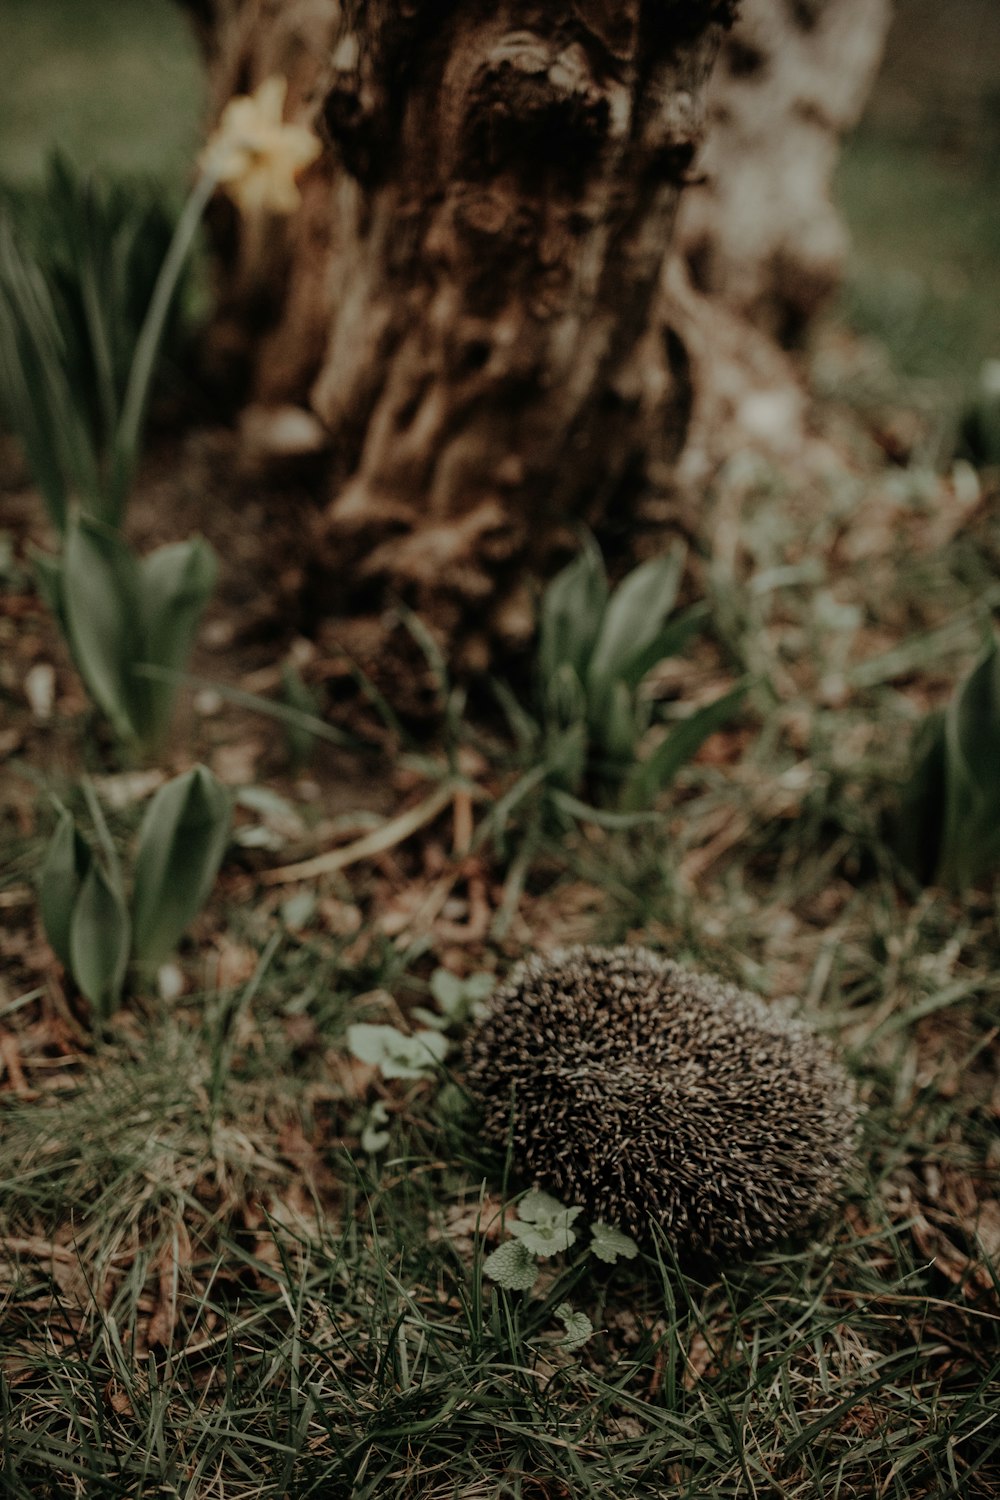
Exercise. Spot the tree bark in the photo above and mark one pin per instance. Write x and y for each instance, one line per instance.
(477, 300)
(759, 246)
(760, 233)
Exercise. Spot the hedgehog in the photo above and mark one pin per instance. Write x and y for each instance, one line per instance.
(654, 1095)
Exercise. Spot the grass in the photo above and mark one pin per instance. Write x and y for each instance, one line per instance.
(917, 184)
(354, 1350)
(115, 84)
(926, 265)
(212, 1289)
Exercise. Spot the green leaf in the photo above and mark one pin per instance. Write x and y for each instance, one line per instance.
(667, 642)
(395, 1054)
(99, 942)
(578, 1327)
(525, 729)
(297, 911)
(299, 697)
(537, 1207)
(37, 394)
(651, 776)
(565, 757)
(447, 990)
(146, 350)
(429, 1018)
(102, 603)
(512, 1266)
(572, 609)
(971, 835)
(48, 571)
(583, 812)
(479, 986)
(543, 1240)
(916, 825)
(176, 584)
(635, 613)
(617, 723)
(182, 840)
(543, 1224)
(374, 1138)
(565, 702)
(64, 869)
(457, 998)
(502, 810)
(610, 1244)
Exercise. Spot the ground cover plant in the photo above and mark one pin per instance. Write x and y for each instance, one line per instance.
(252, 1243)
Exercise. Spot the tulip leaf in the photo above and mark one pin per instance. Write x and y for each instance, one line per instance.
(651, 776)
(916, 826)
(36, 387)
(572, 608)
(971, 835)
(176, 582)
(64, 869)
(633, 618)
(182, 841)
(48, 580)
(99, 941)
(101, 599)
(667, 642)
(618, 722)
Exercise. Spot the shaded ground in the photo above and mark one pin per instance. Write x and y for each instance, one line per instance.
(210, 1285)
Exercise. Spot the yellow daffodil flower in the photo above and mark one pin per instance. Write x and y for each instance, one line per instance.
(254, 156)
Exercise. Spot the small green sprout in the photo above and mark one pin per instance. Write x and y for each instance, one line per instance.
(947, 826)
(94, 926)
(374, 1137)
(611, 1245)
(395, 1054)
(578, 1327)
(512, 1266)
(543, 1224)
(458, 1000)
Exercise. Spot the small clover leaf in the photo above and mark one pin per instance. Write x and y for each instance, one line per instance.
(393, 1053)
(543, 1224)
(430, 1018)
(610, 1244)
(456, 998)
(545, 1239)
(578, 1327)
(537, 1207)
(447, 991)
(480, 986)
(512, 1267)
(373, 1138)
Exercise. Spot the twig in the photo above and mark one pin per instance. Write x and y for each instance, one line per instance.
(382, 839)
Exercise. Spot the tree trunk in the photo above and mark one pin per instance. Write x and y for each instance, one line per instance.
(759, 245)
(476, 299)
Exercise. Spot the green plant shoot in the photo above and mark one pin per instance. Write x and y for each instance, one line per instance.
(119, 612)
(595, 649)
(182, 842)
(93, 929)
(948, 826)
